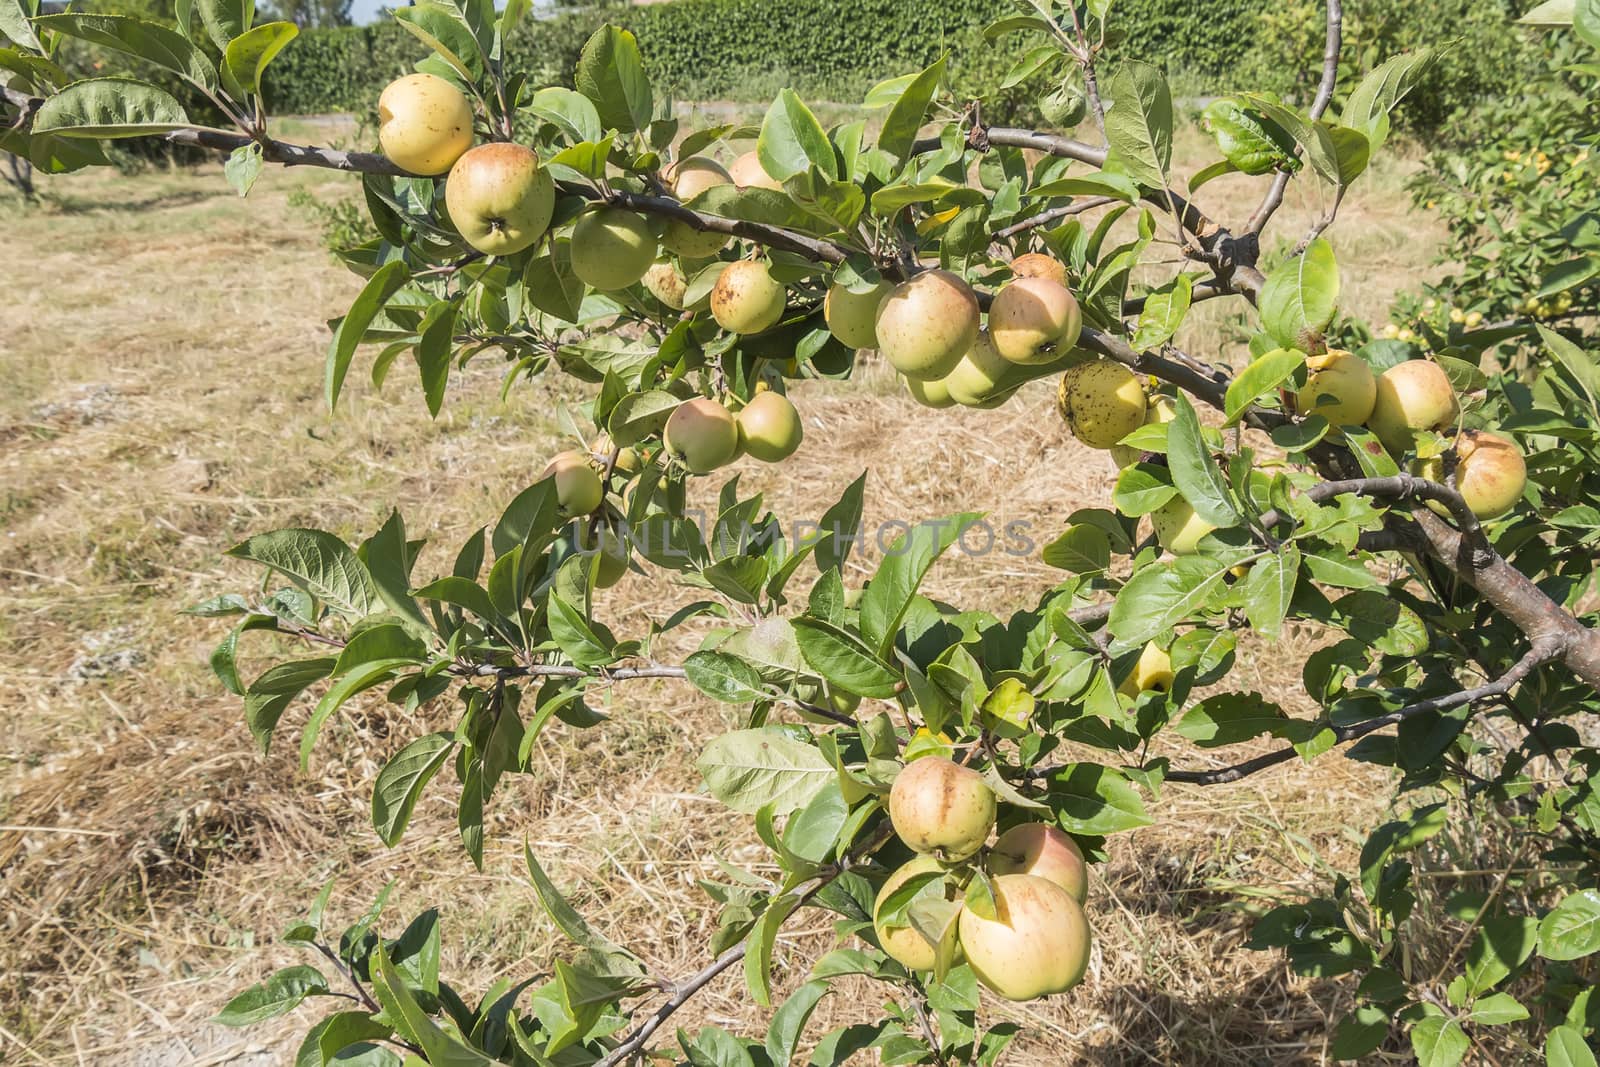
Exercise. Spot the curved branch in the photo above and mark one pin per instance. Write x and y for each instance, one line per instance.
(1044, 218)
(1396, 487)
(683, 991)
(1541, 653)
(1330, 78)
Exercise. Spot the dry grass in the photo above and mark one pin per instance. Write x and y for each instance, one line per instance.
(164, 369)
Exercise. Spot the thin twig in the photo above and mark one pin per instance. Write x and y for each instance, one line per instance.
(1539, 654)
(1330, 78)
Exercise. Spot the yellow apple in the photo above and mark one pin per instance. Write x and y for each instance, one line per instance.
(1411, 396)
(578, 488)
(611, 248)
(1158, 411)
(1037, 944)
(904, 944)
(1341, 388)
(1034, 320)
(930, 394)
(1039, 265)
(927, 324)
(747, 298)
(702, 435)
(981, 376)
(1178, 528)
(664, 282)
(1152, 673)
(748, 173)
(689, 178)
(1040, 849)
(424, 123)
(941, 807)
(852, 317)
(1101, 402)
(769, 427)
(1490, 473)
(500, 198)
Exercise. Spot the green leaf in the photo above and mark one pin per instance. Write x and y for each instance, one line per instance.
(1250, 142)
(1082, 548)
(1314, 138)
(789, 1022)
(1367, 108)
(611, 74)
(1162, 595)
(723, 677)
(1565, 1046)
(149, 41)
(364, 677)
(1139, 124)
(441, 28)
(843, 660)
(384, 283)
(574, 113)
(435, 341)
(609, 958)
(401, 1007)
(910, 110)
(1164, 309)
(1568, 275)
(751, 769)
(1497, 1009)
(758, 954)
(1439, 1041)
(110, 107)
(276, 996)
(1262, 376)
(1572, 929)
(1231, 719)
(792, 141)
(1105, 183)
(905, 564)
(225, 19)
(243, 167)
(248, 55)
(1299, 298)
(839, 525)
(1091, 799)
(337, 1032)
(317, 562)
(1550, 13)
(14, 24)
(271, 693)
(1577, 363)
(1195, 472)
(400, 783)
(1358, 1033)
(1268, 589)
(571, 630)
(386, 556)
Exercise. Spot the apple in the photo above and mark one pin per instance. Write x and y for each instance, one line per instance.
(932, 394)
(1037, 944)
(702, 435)
(611, 248)
(664, 282)
(424, 123)
(835, 700)
(578, 488)
(1490, 473)
(927, 324)
(689, 178)
(1178, 528)
(747, 298)
(613, 555)
(1040, 849)
(1102, 402)
(1158, 411)
(1411, 396)
(1039, 265)
(852, 317)
(904, 944)
(1152, 673)
(1034, 320)
(627, 463)
(981, 375)
(769, 427)
(500, 198)
(748, 173)
(1341, 388)
(941, 807)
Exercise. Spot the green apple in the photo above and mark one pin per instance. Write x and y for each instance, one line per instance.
(927, 324)
(941, 807)
(769, 427)
(611, 248)
(747, 298)
(500, 198)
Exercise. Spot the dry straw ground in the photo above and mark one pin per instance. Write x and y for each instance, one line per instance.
(161, 346)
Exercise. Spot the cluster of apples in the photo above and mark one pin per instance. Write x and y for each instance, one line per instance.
(581, 491)
(930, 329)
(704, 435)
(1037, 943)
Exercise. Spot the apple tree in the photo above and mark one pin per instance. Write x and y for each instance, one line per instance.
(936, 779)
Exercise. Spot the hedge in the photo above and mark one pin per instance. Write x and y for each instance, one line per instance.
(742, 49)
(834, 49)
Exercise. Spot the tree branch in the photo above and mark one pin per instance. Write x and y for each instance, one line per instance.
(1397, 487)
(1044, 218)
(1541, 653)
(1330, 77)
(683, 991)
